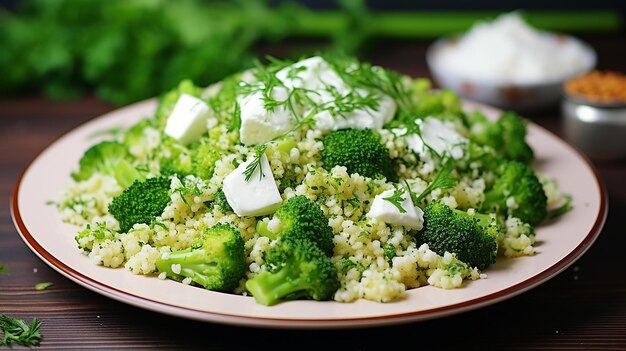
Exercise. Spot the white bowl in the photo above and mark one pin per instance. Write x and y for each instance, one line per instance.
(503, 94)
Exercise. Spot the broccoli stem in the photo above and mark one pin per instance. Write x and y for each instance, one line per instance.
(194, 264)
(285, 145)
(263, 230)
(125, 174)
(269, 288)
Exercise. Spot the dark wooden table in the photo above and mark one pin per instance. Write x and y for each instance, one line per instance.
(582, 308)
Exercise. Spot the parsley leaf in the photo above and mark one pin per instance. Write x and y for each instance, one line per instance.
(396, 199)
(3, 269)
(17, 332)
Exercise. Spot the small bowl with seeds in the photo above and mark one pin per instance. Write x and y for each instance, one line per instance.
(594, 114)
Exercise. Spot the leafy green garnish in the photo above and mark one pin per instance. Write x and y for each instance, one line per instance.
(3, 269)
(363, 75)
(17, 332)
(43, 286)
(256, 163)
(389, 251)
(443, 180)
(396, 199)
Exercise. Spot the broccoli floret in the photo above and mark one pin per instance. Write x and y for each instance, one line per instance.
(136, 135)
(294, 268)
(518, 191)
(220, 200)
(169, 99)
(301, 218)
(485, 156)
(360, 151)
(204, 155)
(177, 159)
(473, 238)
(513, 135)
(442, 104)
(507, 135)
(216, 261)
(483, 131)
(101, 158)
(141, 202)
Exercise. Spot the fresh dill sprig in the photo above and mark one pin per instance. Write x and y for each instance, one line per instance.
(256, 163)
(235, 121)
(443, 180)
(267, 82)
(396, 199)
(363, 75)
(343, 103)
(17, 332)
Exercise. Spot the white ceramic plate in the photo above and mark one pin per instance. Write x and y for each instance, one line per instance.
(559, 244)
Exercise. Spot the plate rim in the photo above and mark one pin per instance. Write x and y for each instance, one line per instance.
(303, 323)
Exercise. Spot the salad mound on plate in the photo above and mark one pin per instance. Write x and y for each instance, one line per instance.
(325, 178)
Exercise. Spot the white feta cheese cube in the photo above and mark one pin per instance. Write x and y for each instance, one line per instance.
(259, 125)
(439, 136)
(359, 118)
(313, 73)
(257, 196)
(188, 120)
(385, 211)
(318, 75)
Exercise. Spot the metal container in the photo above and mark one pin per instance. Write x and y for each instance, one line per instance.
(599, 130)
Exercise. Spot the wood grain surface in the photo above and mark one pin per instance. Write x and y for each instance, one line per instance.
(583, 308)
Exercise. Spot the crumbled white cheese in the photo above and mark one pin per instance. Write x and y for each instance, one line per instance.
(317, 75)
(313, 73)
(188, 120)
(385, 211)
(359, 118)
(259, 124)
(439, 136)
(257, 196)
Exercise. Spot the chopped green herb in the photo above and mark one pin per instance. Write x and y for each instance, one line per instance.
(396, 199)
(17, 332)
(354, 202)
(441, 181)
(43, 286)
(390, 252)
(3, 269)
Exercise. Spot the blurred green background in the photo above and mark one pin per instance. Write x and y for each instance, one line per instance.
(127, 50)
